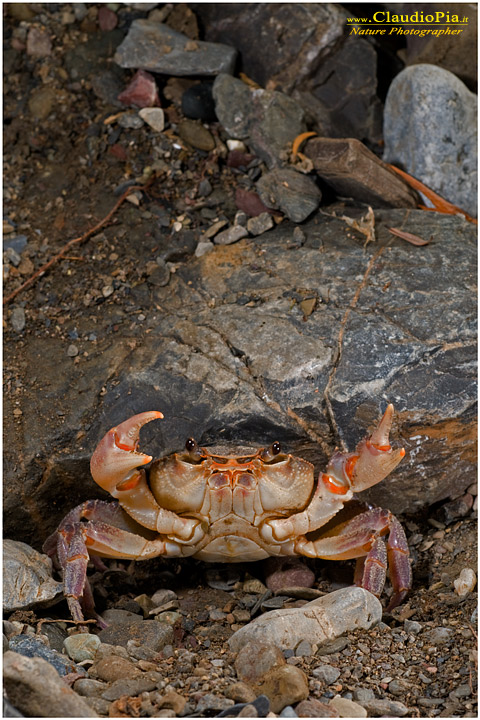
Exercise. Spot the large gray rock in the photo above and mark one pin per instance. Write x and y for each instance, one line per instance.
(27, 577)
(430, 130)
(156, 47)
(268, 120)
(229, 357)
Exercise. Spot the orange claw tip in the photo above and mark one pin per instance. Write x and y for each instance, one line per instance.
(402, 452)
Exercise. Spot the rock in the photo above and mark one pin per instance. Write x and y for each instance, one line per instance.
(154, 117)
(33, 647)
(354, 171)
(320, 620)
(347, 708)
(255, 659)
(39, 43)
(151, 633)
(430, 130)
(283, 685)
(258, 707)
(267, 120)
(287, 572)
(82, 646)
(326, 673)
(295, 38)
(88, 687)
(314, 708)
(231, 235)
(42, 101)
(156, 47)
(210, 702)
(412, 626)
(260, 224)
(196, 135)
(240, 692)
(37, 690)
(132, 686)
(198, 103)
(417, 350)
(460, 507)
(384, 708)
(465, 582)
(203, 247)
(17, 319)
(141, 91)
(250, 203)
(287, 190)
(107, 19)
(113, 668)
(340, 98)
(27, 577)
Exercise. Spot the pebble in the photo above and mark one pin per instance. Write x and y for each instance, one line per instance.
(36, 689)
(130, 120)
(170, 617)
(113, 668)
(42, 101)
(288, 712)
(151, 633)
(287, 572)
(12, 256)
(303, 649)
(260, 224)
(249, 201)
(293, 193)
(72, 351)
(196, 135)
(412, 626)
(284, 685)
(465, 582)
(115, 616)
(17, 319)
(33, 647)
(255, 659)
(156, 47)
(363, 694)
(315, 709)
(133, 686)
(384, 708)
(211, 702)
(240, 692)
(347, 708)
(39, 43)
(89, 687)
(203, 247)
(154, 117)
(198, 104)
(107, 19)
(162, 596)
(438, 635)
(82, 646)
(16, 243)
(435, 139)
(231, 235)
(320, 620)
(326, 673)
(141, 91)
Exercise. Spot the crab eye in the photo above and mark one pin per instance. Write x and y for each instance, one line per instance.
(190, 445)
(275, 449)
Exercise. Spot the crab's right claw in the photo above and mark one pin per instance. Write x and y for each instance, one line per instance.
(116, 454)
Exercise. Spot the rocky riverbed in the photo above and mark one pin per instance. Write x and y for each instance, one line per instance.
(252, 295)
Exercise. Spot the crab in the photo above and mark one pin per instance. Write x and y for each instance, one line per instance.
(232, 509)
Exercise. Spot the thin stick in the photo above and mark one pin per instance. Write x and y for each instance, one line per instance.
(42, 270)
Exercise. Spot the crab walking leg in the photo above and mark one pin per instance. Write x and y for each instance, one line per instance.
(114, 466)
(362, 537)
(346, 473)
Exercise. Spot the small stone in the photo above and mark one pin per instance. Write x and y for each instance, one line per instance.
(231, 235)
(171, 617)
(260, 224)
(133, 686)
(162, 596)
(173, 700)
(284, 685)
(362, 694)
(240, 692)
(347, 708)
(154, 117)
(314, 708)
(252, 585)
(249, 201)
(38, 42)
(151, 633)
(204, 188)
(12, 256)
(396, 687)
(287, 190)
(288, 712)
(72, 351)
(113, 668)
(303, 649)
(17, 319)
(255, 659)
(240, 218)
(465, 582)
(326, 673)
(438, 635)
(130, 120)
(89, 687)
(412, 626)
(82, 646)
(384, 708)
(160, 275)
(196, 135)
(27, 577)
(107, 19)
(141, 91)
(203, 247)
(107, 290)
(214, 229)
(41, 102)
(198, 104)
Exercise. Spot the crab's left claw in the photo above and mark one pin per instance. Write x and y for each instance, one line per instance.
(116, 455)
(373, 460)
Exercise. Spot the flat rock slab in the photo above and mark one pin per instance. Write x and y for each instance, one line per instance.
(156, 47)
(354, 171)
(229, 357)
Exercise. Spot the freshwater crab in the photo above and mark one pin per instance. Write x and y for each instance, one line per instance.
(231, 509)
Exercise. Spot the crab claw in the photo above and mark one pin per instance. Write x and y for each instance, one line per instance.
(116, 454)
(373, 460)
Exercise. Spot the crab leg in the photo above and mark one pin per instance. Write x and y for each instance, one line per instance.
(362, 537)
(114, 466)
(346, 473)
(106, 533)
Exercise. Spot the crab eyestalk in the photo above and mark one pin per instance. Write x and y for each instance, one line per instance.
(373, 460)
(116, 454)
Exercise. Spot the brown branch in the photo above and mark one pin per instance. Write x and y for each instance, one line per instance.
(75, 241)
